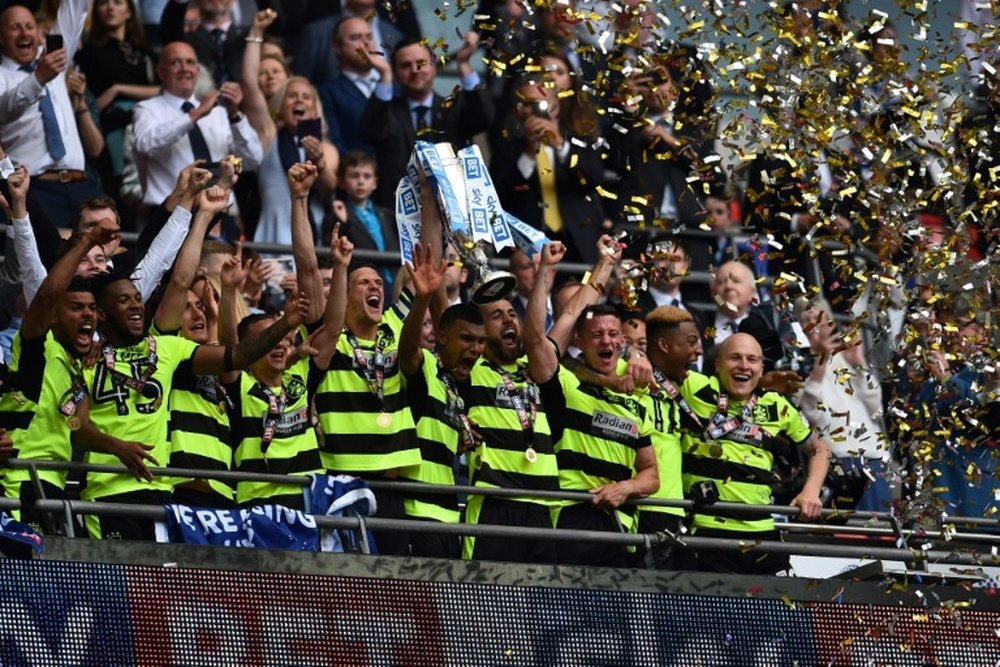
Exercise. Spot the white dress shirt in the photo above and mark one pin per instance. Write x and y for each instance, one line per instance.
(162, 147)
(726, 326)
(364, 82)
(661, 298)
(20, 116)
(147, 274)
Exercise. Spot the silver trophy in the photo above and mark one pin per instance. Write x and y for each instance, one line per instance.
(489, 284)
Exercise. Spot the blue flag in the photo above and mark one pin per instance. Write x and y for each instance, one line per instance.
(17, 539)
(264, 526)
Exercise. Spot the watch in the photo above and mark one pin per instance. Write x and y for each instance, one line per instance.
(236, 117)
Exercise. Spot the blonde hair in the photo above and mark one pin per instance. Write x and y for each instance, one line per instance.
(668, 315)
(274, 104)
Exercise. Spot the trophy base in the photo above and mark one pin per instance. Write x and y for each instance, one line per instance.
(494, 286)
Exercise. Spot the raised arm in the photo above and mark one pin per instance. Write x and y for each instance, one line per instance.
(231, 277)
(254, 102)
(162, 251)
(39, 316)
(432, 236)
(325, 342)
(543, 362)
(31, 271)
(219, 360)
(171, 311)
(427, 277)
(609, 253)
(301, 177)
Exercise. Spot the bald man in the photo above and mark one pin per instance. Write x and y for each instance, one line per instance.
(741, 430)
(175, 128)
(734, 291)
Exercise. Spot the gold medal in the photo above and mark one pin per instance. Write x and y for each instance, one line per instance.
(384, 420)
(531, 455)
(73, 422)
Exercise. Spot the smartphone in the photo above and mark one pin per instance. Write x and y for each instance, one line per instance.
(309, 127)
(215, 168)
(53, 42)
(540, 109)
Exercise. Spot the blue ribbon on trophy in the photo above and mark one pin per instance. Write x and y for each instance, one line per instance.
(471, 211)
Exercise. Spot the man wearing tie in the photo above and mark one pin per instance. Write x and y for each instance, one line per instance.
(37, 121)
(734, 291)
(174, 129)
(393, 124)
(547, 179)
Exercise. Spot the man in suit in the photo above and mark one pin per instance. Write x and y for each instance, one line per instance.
(217, 42)
(546, 179)
(315, 58)
(651, 161)
(345, 96)
(393, 123)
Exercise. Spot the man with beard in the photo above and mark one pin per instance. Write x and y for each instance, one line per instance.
(602, 437)
(506, 406)
(739, 432)
(443, 426)
(133, 376)
(367, 429)
(46, 398)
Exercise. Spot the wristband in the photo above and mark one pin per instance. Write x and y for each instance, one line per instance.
(227, 359)
(255, 40)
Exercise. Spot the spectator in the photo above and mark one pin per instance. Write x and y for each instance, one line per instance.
(315, 59)
(344, 97)
(369, 227)
(651, 161)
(392, 123)
(217, 42)
(296, 134)
(37, 119)
(174, 128)
(525, 270)
(842, 399)
(734, 291)
(548, 178)
(119, 67)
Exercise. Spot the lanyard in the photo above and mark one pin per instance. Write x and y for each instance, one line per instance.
(275, 408)
(455, 408)
(721, 425)
(374, 373)
(525, 415)
(138, 384)
(671, 390)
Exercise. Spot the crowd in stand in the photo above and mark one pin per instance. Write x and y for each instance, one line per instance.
(841, 354)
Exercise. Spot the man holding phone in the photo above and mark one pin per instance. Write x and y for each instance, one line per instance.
(37, 121)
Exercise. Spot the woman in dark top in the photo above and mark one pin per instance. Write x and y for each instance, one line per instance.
(120, 69)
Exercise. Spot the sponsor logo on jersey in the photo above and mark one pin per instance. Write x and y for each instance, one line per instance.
(613, 427)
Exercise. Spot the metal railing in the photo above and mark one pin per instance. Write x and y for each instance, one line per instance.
(977, 549)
